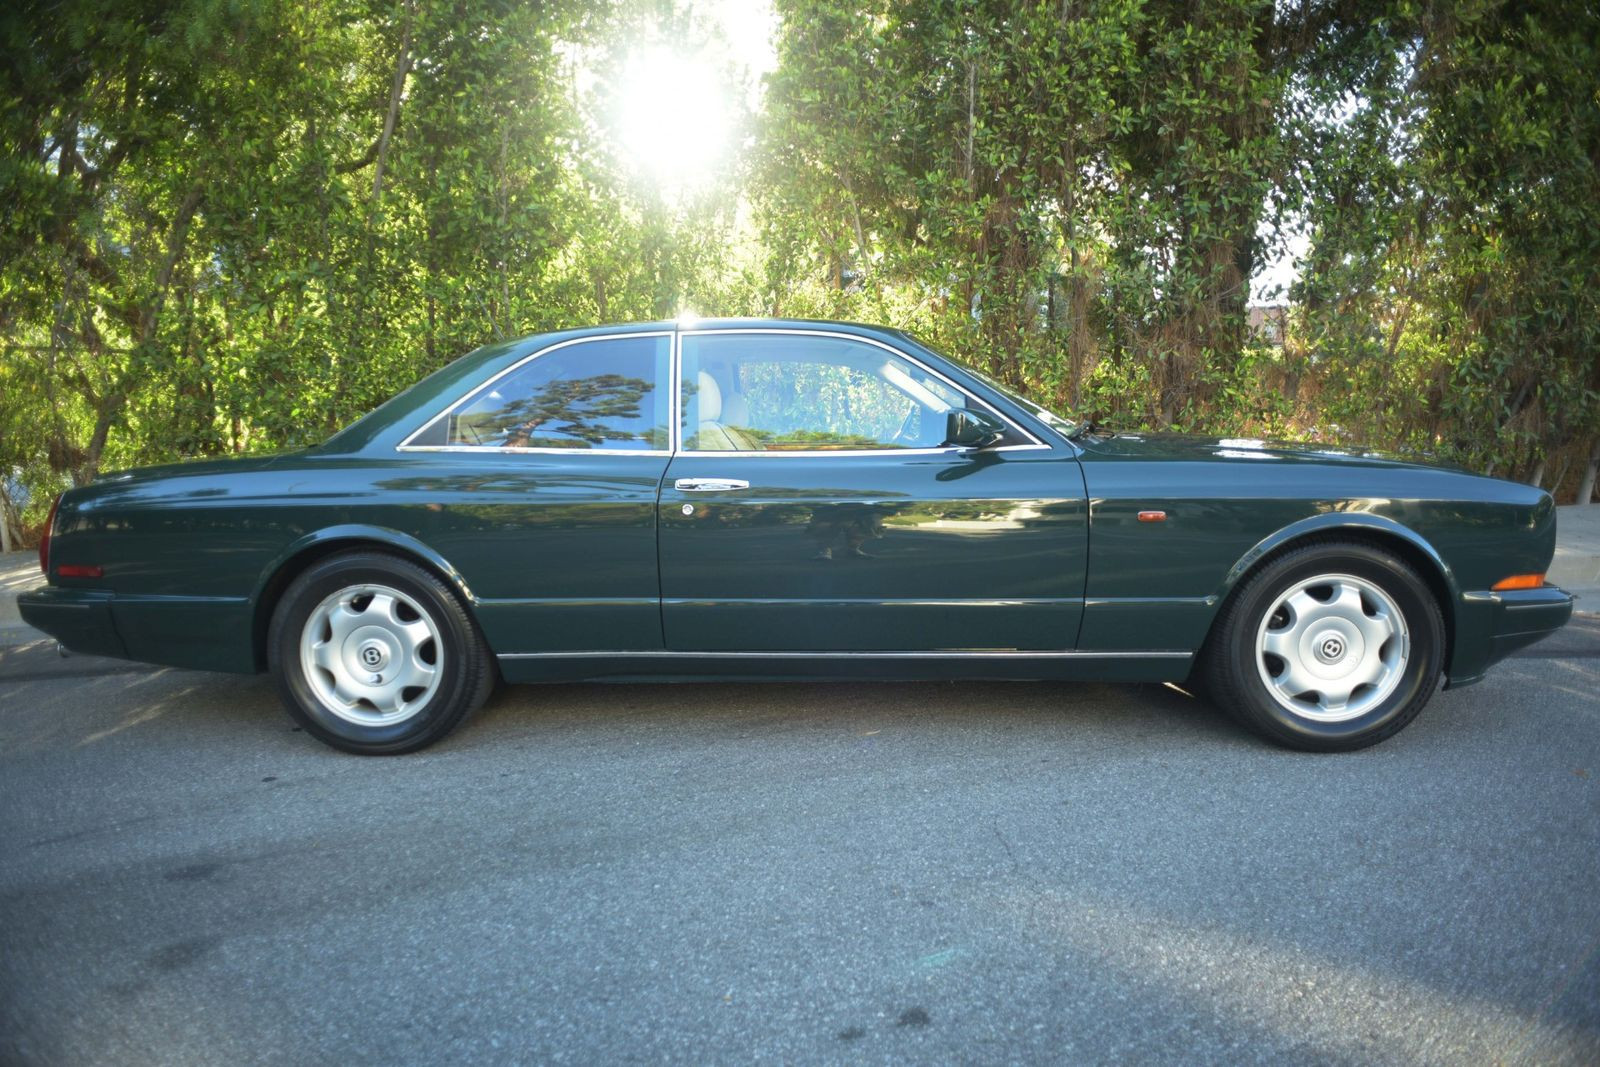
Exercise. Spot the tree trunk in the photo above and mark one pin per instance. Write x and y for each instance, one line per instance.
(110, 405)
(97, 441)
(505, 226)
(1586, 483)
(6, 543)
(1080, 339)
(1536, 479)
(972, 121)
(402, 66)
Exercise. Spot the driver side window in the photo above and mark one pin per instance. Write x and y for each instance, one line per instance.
(792, 393)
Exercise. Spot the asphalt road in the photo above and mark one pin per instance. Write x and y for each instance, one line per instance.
(796, 873)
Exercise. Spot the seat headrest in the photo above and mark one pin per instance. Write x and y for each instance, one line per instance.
(710, 397)
(735, 411)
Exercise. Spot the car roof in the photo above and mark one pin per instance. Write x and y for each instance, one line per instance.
(694, 323)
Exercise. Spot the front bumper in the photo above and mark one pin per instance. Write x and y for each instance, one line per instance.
(79, 618)
(1490, 626)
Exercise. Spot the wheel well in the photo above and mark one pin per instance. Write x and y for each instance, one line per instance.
(307, 557)
(1418, 560)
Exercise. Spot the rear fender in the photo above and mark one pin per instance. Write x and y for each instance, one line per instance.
(359, 533)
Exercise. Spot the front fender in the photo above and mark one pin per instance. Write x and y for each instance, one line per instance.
(1344, 522)
(1442, 578)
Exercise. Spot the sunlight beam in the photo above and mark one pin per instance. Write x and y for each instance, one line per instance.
(674, 118)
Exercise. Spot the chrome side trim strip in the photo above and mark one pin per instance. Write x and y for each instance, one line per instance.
(1177, 601)
(891, 452)
(516, 450)
(874, 602)
(998, 654)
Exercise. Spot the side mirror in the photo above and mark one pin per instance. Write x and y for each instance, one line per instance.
(967, 428)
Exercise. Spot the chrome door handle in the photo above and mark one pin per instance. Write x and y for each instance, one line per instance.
(709, 485)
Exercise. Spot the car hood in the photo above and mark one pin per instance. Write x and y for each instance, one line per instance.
(1176, 446)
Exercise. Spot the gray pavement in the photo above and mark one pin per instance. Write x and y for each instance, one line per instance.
(18, 571)
(796, 873)
(1576, 567)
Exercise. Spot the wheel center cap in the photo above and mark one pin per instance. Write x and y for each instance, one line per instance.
(1331, 648)
(373, 656)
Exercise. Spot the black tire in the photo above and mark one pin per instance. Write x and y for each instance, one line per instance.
(1243, 680)
(463, 670)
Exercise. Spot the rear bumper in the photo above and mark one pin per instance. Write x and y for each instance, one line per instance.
(1490, 626)
(203, 633)
(79, 618)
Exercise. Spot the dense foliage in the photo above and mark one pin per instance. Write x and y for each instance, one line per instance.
(233, 225)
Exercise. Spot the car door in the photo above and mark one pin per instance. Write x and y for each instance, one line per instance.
(813, 505)
(541, 489)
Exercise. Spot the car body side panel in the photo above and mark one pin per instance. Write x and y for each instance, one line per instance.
(179, 547)
(554, 553)
(557, 553)
(1226, 510)
(950, 550)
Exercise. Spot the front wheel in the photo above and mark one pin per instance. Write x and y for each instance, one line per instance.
(1330, 647)
(374, 655)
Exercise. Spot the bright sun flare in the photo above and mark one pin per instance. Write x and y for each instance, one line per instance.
(674, 117)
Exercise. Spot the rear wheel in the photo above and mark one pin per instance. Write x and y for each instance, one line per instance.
(375, 655)
(1330, 647)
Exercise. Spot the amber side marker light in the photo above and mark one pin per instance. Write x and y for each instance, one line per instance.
(1519, 581)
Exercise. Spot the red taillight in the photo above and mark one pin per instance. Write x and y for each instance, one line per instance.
(80, 570)
(44, 539)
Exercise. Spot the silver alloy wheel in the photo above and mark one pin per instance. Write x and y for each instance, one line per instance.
(371, 655)
(1332, 648)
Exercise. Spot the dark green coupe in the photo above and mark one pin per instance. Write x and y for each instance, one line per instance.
(793, 499)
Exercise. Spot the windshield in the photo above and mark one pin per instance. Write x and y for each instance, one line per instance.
(1067, 428)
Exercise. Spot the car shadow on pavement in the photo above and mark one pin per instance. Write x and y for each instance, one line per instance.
(749, 709)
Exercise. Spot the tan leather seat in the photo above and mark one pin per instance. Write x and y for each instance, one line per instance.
(710, 433)
(735, 411)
